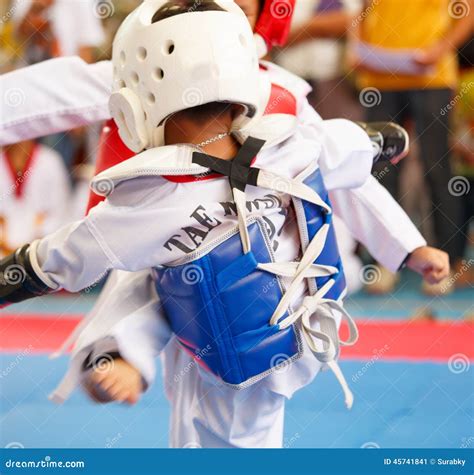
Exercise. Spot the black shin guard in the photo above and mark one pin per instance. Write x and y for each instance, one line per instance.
(390, 141)
(18, 280)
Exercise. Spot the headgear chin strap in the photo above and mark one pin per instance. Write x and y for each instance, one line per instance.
(166, 65)
(273, 25)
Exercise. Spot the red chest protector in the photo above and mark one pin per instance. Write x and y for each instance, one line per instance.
(113, 151)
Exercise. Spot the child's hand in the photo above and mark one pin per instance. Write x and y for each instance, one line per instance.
(118, 381)
(431, 263)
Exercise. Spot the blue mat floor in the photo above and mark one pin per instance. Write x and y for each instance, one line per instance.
(396, 405)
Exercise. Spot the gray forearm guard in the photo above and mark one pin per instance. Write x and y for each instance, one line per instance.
(18, 280)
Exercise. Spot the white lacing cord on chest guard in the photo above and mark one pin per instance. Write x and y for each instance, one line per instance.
(315, 309)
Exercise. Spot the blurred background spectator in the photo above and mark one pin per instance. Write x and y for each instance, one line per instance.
(34, 194)
(409, 56)
(38, 175)
(402, 56)
(316, 52)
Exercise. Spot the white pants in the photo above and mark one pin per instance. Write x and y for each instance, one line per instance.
(206, 413)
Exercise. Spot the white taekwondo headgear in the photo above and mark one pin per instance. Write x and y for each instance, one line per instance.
(189, 59)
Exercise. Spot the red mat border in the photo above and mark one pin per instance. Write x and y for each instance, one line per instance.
(378, 339)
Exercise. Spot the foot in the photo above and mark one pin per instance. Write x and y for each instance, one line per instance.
(389, 140)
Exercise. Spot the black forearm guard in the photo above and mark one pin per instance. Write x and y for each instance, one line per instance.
(18, 280)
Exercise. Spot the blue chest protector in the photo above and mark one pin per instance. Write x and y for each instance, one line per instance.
(224, 306)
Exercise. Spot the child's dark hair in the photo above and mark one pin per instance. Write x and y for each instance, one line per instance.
(207, 111)
(179, 7)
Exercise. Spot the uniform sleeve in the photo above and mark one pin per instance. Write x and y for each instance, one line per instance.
(128, 318)
(371, 214)
(53, 96)
(128, 238)
(346, 156)
(376, 220)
